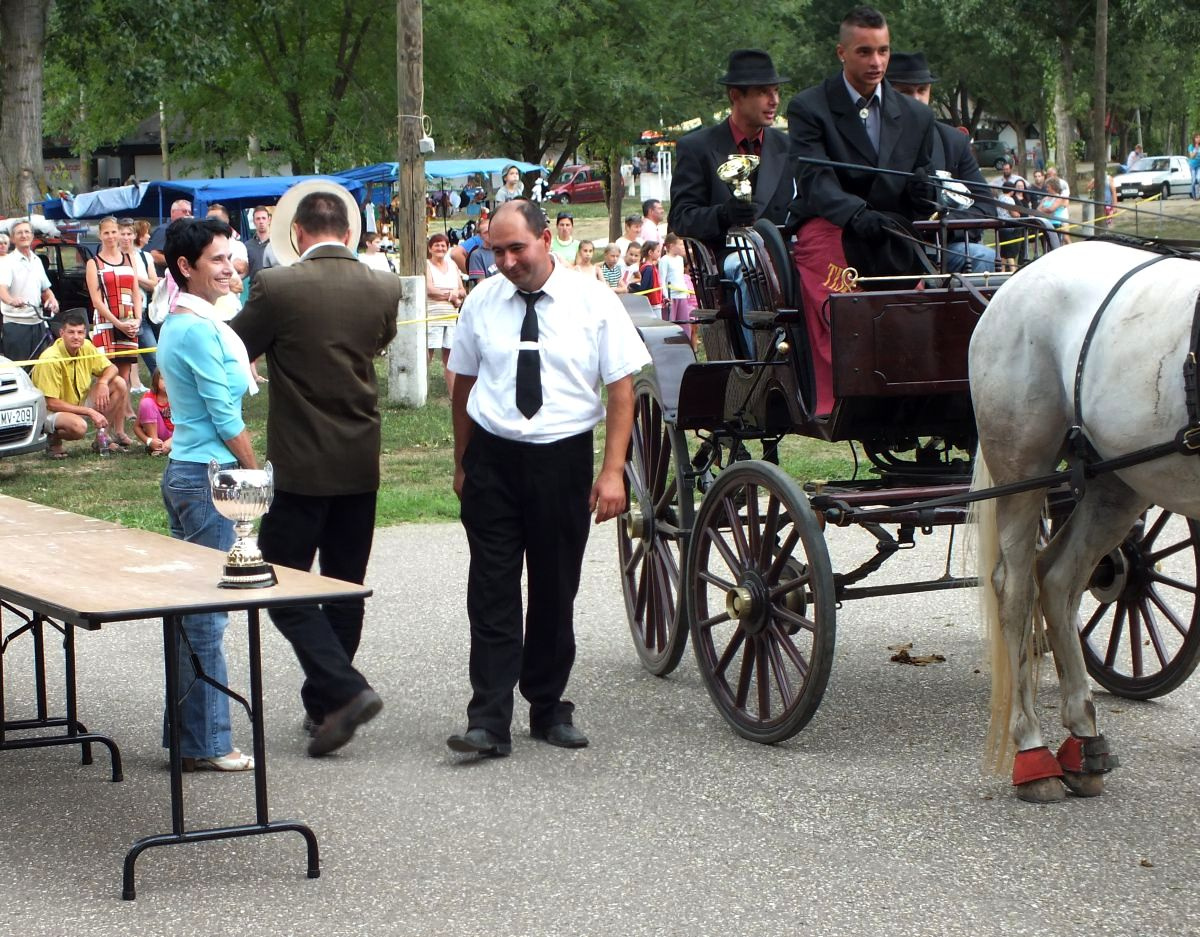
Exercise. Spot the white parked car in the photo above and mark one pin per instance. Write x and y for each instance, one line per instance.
(22, 412)
(1155, 175)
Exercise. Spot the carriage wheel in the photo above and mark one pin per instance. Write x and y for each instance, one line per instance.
(1138, 618)
(653, 534)
(761, 606)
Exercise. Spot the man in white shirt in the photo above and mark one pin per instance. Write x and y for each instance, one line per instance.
(24, 294)
(531, 350)
(653, 214)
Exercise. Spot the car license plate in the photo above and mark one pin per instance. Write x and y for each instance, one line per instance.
(1130, 190)
(20, 416)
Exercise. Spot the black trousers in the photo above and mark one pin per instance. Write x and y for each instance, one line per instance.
(523, 502)
(338, 529)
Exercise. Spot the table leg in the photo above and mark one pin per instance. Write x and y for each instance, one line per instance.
(262, 825)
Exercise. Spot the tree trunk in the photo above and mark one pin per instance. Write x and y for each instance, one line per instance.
(616, 195)
(23, 37)
(1064, 125)
(163, 144)
(1099, 109)
(254, 155)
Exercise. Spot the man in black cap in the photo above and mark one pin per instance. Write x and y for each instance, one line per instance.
(908, 73)
(856, 118)
(702, 205)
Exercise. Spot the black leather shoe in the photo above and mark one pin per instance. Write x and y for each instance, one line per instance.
(339, 726)
(564, 735)
(310, 726)
(479, 742)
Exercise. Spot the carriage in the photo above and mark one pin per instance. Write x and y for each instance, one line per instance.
(730, 551)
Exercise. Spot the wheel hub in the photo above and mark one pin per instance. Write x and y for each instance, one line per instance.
(638, 526)
(747, 603)
(1110, 577)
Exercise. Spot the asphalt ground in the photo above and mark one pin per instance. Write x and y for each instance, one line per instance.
(875, 820)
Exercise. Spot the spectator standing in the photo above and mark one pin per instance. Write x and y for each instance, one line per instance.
(652, 216)
(259, 254)
(1134, 155)
(633, 226)
(180, 208)
(147, 279)
(631, 272)
(4, 242)
(563, 244)
(584, 259)
(323, 439)
(1064, 186)
(611, 270)
(481, 260)
(444, 293)
(116, 305)
(681, 300)
(207, 369)
(649, 281)
(24, 295)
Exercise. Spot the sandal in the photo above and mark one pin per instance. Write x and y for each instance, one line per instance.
(56, 454)
(124, 442)
(234, 761)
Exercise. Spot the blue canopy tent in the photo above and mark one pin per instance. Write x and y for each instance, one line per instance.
(153, 199)
(380, 177)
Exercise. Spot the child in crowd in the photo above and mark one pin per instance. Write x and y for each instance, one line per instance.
(650, 284)
(154, 427)
(632, 272)
(611, 271)
(584, 259)
(680, 298)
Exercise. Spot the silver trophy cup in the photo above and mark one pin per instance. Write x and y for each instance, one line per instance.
(736, 171)
(243, 495)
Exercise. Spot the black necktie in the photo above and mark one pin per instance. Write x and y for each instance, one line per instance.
(750, 147)
(529, 362)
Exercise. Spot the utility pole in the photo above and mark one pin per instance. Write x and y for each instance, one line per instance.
(408, 382)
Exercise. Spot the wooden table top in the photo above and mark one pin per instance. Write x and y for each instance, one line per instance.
(86, 572)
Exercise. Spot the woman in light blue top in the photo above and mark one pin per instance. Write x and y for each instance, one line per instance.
(207, 373)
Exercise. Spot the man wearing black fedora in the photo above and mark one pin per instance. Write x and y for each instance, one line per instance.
(702, 205)
(908, 73)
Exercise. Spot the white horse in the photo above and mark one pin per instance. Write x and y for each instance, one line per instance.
(1023, 360)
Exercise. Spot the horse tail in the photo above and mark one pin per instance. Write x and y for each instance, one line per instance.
(982, 519)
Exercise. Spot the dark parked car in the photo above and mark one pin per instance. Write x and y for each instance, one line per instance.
(66, 262)
(992, 153)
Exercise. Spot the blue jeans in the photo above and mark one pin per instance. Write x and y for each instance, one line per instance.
(733, 271)
(147, 339)
(979, 258)
(1196, 180)
(204, 727)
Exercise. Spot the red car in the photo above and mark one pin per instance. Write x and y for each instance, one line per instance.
(579, 183)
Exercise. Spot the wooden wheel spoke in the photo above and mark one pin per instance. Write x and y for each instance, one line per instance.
(770, 531)
(1159, 555)
(787, 694)
(1114, 638)
(781, 589)
(1156, 576)
(1167, 611)
(641, 592)
(744, 677)
(662, 465)
(1151, 533)
(1135, 639)
(736, 531)
(788, 617)
(718, 619)
(635, 557)
(713, 579)
(723, 548)
(1097, 616)
(785, 552)
(763, 671)
(751, 532)
(1154, 632)
(665, 499)
(788, 646)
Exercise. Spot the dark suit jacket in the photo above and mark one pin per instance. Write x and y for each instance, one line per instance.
(321, 322)
(952, 152)
(697, 192)
(823, 123)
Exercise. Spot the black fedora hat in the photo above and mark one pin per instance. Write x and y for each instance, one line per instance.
(909, 68)
(748, 68)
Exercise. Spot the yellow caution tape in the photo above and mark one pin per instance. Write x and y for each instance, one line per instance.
(109, 356)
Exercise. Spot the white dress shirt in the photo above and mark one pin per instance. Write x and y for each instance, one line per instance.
(585, 338)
